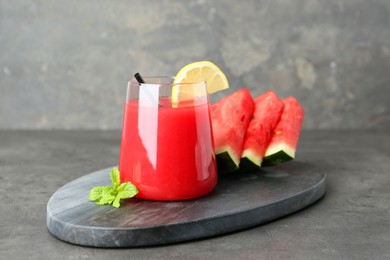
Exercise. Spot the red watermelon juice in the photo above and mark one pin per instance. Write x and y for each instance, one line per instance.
(167, 152)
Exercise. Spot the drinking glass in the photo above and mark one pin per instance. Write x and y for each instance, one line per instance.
(167, 142)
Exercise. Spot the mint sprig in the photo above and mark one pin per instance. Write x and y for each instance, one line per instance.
(103, 195)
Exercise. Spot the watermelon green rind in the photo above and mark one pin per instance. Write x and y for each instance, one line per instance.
(284, 141)
(250, 160)
(225, 163)
(268, 109)
(247, 165)
(278, 154)
(230, 119)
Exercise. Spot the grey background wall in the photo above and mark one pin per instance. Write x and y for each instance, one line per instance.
(65, 64)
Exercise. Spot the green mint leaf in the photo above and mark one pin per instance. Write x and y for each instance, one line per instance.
(106, 200)
(108, 195)
(95, 193)
(99, 192)
(115, 177)
(117, 203)
(103, 195)
(108, 190)
(127, 190)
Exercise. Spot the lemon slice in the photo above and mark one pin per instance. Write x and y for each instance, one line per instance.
(197, 72)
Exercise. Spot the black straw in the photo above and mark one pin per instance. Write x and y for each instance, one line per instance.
(139, 78)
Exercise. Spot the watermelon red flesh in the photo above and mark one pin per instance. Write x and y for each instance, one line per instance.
(230, 119)
(286, 134)
(268, 109)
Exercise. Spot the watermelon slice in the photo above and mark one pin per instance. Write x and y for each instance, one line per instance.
(230, 118)
(268, 108)
(286, 134)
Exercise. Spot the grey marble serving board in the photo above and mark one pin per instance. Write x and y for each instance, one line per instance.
(240, 201)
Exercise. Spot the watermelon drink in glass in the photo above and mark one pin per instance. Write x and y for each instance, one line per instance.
(167, 146)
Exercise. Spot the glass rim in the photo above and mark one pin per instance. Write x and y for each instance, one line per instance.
(133, 80)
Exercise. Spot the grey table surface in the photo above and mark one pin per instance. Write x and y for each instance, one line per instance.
(351, 222)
